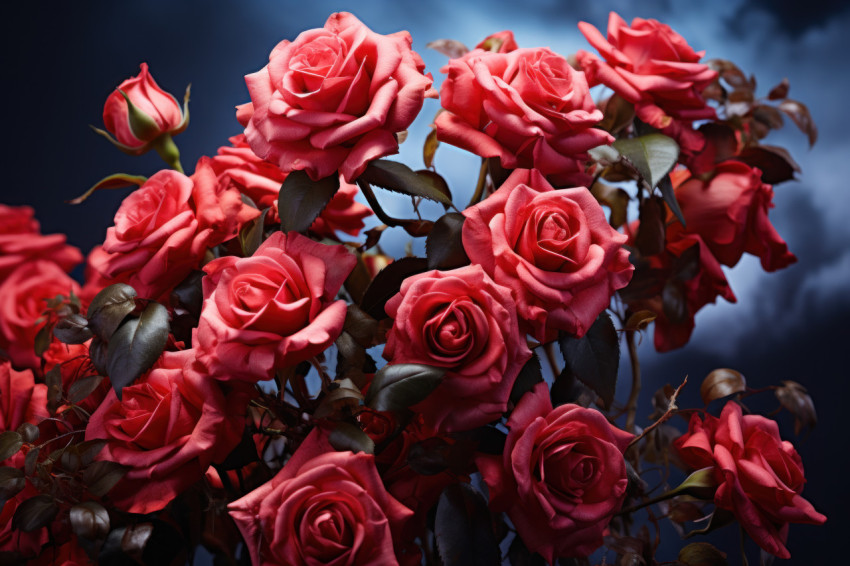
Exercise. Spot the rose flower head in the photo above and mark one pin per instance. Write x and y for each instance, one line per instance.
(21, 241)
(334, 98)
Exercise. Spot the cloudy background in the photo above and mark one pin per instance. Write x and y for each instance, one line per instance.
(63, 59)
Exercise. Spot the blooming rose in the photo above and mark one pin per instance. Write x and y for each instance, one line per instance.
(322, 508)
(168, 427)
(261, 182)
(654, 68)
(561, 477)
(553, 248)
(334, 98)
(21, 241)
(462, 321)
(529, 108)
(729, 211)
(759, 475)
(23, 299)
(273, 309)
(21, 399)
(500, 42)
(161, 109)
(163, 229)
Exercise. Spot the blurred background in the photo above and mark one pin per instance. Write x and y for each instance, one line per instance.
(63, 59)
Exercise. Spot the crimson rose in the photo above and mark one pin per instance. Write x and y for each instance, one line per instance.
(21, 241)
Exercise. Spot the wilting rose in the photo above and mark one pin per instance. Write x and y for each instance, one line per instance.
(529, 108)
(729, 211)
(162, 110)
(561, 477)
(333, 99)
(500, 42)
(273, 309)
(322, 508)
(168, 427)
(163, 229)
(654, 68)
(759, 475)
(23, 299)
(462, 321)
(21, 241)
(553, 248)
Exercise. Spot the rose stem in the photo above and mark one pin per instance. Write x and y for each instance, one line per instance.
(376, 206)
(633, 396)
(479, 187)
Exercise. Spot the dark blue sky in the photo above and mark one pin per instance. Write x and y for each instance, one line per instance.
(61, 60)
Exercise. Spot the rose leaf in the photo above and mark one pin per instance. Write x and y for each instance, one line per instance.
(463, 528)
(301, 200)
(594, 358)
(444, 246)
(109, 308)
(136, 345)
(653, 155)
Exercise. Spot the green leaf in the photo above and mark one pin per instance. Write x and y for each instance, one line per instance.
(83, 387)
(400, 178)
(701, 484)
(594, 358)
(102, 476)
(109, 308)
(653, 155)
(116, 181)
(301, 200)
(444, 245)
(440, 184)
(251, 235)
(10, 443)
(136, 345)
(346, 436)
(72, 329)
(398, 386)
(12, 481)
(463, 530)
(669, 196)
(388, 282)
(34, 513)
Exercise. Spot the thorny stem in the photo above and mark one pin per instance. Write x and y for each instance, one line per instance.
(366, 188)
(635, 392)
(671, 410)
(479, 187)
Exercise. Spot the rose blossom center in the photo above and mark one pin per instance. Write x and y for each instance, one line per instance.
(551, 240)
(449, 330)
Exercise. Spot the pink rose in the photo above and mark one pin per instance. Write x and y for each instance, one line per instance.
(462, 321)
(529, 108)
(333, 99)
(21, 241)
(500, 42)
(561, 477)
(553, 248)
(273, 309)
(759, 475)
(168, 428)
(161, 109)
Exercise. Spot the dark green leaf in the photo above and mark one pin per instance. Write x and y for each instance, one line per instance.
(90, 520)
(189, 294)
(88, 450)
(116, 181)
(568, 389)
(12, 481)
(34, 513)
(29, 432)
(398, 386)
(530, 375)
(669, 195)
(10, 443)
(136, 345)
(652, 155)
(53, 380)
(702, 554)
(440, 183)
(251, 235)
(109, 308)
(98, 353)
(301, 200)
(30, 460)
(395, 176)
(463, 529)
(102, 476)
(346, 436)
(595, 357)
(721, 383)
(444, 245)
(388, 282)
(83, 387)
(701, 484)
(72, 329)
(42, 340)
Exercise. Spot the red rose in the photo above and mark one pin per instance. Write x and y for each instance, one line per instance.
(554, 249)
(561, 477)
(333, 99)
(322, 508)
(500, 42)
(15, 541)
(529, 108)
(68, 554)
(21, 241)
(163, 112)
(23, 299)
(163, 229)
(168, 428)
(21, 399)
(759, 475)
(273, 309)
(654, 68)
(261, 182)
(462, 321)
(729, 212)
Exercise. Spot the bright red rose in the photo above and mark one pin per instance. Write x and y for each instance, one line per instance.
(23, 299)
(462, 321)
(333, 99)
(163, 112)
(22, 400)
(163, 229)
(654, 68)
(21, 241)
(322, 508)
(15, 541)
(561, 477)
(169, 426)
(729, 212)
(553, 248)
(273, 309)
(529, 108)
(500, 42)
(759, 475)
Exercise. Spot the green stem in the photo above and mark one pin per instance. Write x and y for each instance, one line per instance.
(168, 151)
(479, 187)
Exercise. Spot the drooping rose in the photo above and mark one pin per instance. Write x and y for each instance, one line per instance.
(730, 212)
(553, 248)
(323, 507)
(161, 110)
(561, 477)
(333, 99)
(23, 299)
(21, 241)
(168, 427)
(759, 475)
(528, 107)
(654, 68)
(163, 229)
(462, 321)
(273, 309)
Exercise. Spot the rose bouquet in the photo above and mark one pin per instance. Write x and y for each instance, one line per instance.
(217, 381)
